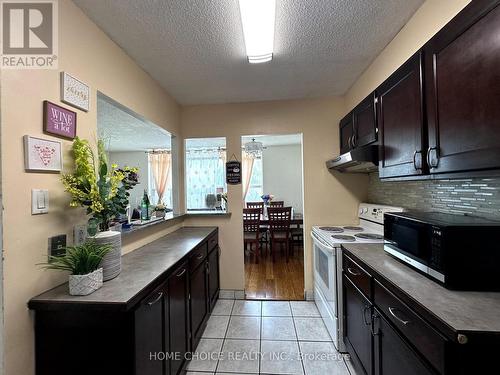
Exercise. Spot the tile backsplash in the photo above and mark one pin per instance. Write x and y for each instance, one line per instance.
(472, 196)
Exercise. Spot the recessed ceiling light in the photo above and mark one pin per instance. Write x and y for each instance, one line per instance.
(258, 18)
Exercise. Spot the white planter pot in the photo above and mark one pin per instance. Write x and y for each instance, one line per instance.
(82, 285)
(112, 262)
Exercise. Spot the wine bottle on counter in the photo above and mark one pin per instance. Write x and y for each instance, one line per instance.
(145, 206)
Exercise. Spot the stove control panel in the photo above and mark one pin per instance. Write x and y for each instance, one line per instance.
(375, 212)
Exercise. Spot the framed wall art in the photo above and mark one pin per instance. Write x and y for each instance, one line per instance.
(74, 92)
(58, 120)
(42, 155)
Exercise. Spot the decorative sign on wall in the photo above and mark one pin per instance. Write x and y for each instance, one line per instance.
(233, 172)
(42, 155)
(58, 120)
(74, 92)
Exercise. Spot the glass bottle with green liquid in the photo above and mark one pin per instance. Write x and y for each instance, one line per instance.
(145, 206)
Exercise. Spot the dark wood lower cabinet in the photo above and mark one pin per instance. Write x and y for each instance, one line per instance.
(392, 356)
(150, 334)
(357, 330)
(178, 317)
(213, 276)
(198, 302)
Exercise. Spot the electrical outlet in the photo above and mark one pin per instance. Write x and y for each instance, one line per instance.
(57, 245)
(79, 234)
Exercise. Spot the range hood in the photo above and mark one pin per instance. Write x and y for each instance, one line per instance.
(359, 160)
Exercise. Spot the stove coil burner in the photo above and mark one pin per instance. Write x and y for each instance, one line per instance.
(369, 236)
(343, 237)
(354, 229)
(332, 229)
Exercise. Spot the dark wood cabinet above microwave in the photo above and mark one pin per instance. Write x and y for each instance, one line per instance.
(462, 81)
(359, 127)
(439, 113)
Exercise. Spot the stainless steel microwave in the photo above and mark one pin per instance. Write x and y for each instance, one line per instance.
(461, 252)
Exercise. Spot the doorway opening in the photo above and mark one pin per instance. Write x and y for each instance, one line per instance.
(272, 181)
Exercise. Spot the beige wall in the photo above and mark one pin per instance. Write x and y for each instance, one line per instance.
(328, 199)
(87, 53)
(424, 24)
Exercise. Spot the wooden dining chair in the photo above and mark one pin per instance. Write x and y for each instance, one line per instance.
(279, 228)
(251, 230)
(277, 204)
(263, 228)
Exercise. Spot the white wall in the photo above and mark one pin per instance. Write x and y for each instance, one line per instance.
(282, 173)
(137, 159)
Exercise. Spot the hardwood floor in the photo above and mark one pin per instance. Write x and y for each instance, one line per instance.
(275, 281)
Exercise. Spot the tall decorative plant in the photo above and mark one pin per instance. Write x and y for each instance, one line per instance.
(102, 190)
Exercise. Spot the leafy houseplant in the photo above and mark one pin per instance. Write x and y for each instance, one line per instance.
(103, 190)
(83, 262)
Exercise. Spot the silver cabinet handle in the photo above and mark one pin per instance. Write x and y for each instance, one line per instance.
(402, 321)
(158, 297)
(353, 140)
(365, 309)
(429, 159)
(415, 160)
(353, 272)
(181, 273)
(199, 256)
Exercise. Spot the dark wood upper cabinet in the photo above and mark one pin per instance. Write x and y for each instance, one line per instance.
(401, 121)
(462, 80)
(346, 132)
(365, 122)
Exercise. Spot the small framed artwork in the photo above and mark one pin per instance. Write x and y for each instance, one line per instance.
(74, 92)
(58, 120)
(42, 155)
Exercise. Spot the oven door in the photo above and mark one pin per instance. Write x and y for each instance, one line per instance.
(325, 272)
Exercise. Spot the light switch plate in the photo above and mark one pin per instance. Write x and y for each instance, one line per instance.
(39, 201)
(79, 234)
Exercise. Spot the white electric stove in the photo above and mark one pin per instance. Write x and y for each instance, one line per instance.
(327, 257)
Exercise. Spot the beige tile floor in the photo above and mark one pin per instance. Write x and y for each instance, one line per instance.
(268, 337)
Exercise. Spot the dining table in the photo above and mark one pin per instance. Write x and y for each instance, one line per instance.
(296, 219)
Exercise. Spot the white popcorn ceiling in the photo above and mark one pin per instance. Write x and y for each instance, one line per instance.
(122, 130)
(195, 48)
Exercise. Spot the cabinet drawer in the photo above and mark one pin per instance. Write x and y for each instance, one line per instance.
(213, 241)
(418, 332)
(198, 256)
(357, 275)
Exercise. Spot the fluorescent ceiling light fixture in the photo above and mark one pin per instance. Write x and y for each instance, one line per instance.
(258, 18)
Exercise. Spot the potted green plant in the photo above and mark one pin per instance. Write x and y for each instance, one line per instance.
(104, 192)
(83, 262)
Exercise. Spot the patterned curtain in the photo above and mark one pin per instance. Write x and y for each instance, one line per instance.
(204, 174)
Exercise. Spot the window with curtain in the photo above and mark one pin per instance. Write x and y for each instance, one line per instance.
(255, 190)
(155, 179)
(205, 172)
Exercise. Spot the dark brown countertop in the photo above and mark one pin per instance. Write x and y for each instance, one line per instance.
(461, 311)
(140, 269)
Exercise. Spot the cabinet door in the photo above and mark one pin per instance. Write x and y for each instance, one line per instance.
(213, 276)
(401, 122)
(346, 132)
(392, 355)
(149, 335)
(178, 317)
(462, 66)
(199, 303)
(365, 122)
(357, 326)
